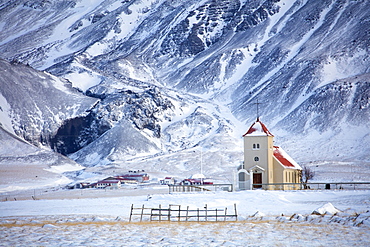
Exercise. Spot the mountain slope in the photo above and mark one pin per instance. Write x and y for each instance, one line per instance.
(183, 74)
(38, 103)
(22, 164)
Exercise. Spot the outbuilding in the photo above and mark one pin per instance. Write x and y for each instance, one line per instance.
(108, 184)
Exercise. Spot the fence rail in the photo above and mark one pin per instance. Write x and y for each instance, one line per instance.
(177, 213)
(199, 188)
(315, 186)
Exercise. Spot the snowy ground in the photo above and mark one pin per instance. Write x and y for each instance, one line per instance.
(265, 218)
(258, 233)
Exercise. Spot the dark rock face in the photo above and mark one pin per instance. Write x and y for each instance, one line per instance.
(254, 13)
(77, 133)
(38, 102)
(144, 110)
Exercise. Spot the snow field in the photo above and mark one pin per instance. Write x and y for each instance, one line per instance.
(117, 203)
(256, 232)
(265, 218)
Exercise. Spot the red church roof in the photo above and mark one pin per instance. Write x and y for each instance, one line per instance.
(258, 129)
(284, 159)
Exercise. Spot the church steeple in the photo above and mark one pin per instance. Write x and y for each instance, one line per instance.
(258, 129)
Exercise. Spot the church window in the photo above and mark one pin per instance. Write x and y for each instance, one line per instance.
(256, 158)
(242, 176)
(256, 146)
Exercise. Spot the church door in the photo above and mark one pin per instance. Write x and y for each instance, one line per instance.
(257, 179)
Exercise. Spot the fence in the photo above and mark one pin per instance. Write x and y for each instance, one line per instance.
(199, 188)
(176, 213)
(34, 194)
(316, 186)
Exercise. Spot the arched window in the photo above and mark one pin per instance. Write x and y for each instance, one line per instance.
(256, 158)
(258, 146)
(242, 176)
(254, 146)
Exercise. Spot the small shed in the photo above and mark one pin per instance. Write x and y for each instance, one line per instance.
(167, 181)
(108, 184)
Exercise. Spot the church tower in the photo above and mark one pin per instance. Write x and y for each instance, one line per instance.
(258, 154)
(265, 163)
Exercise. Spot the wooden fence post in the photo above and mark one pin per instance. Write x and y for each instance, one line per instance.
(225, 213)
(132, 207)
(169, 213)
(236, 215)
(179, 212)
(206, 208)
(142, 211)
(160, 212)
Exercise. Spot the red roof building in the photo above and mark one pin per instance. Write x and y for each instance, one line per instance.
(264, 163)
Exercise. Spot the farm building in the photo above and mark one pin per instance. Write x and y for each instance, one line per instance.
(167, 180)
(111, 184)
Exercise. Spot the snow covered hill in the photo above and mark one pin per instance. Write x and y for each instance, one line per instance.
(26, 167)
(172, 85)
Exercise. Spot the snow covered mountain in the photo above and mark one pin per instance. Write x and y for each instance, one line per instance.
(26, 167)
(172, 85)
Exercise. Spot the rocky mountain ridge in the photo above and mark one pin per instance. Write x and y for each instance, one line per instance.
(182, 78)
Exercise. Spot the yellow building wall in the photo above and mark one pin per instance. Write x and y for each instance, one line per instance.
(274, 172)
(279, 172)
(284, 175)
(264, 154)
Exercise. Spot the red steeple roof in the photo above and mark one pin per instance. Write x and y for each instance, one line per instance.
(258, 129)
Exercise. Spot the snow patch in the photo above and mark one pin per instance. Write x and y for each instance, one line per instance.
(5, 111)
(84, 80)
(328, 208)
(64, 168)
(336, 69)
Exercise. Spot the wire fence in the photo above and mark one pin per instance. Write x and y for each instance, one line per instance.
(37, 194)
(314, 186)
(200, 188)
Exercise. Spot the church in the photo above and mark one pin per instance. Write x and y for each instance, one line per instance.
(265, 163)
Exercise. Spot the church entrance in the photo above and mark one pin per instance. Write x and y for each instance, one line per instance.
(257, 179)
